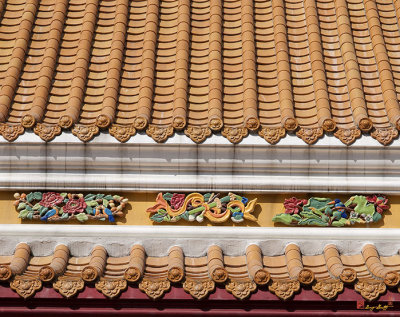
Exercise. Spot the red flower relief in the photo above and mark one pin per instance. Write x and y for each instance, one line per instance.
(51, 199)
(380, 202)
(177, 201)
(74, 206)
(294, 205)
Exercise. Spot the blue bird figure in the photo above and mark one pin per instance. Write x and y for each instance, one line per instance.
(339, 206)
(108, 212)
(49, 214)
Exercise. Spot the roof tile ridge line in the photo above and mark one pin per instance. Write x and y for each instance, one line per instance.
(179, 112)
(20, 259)
(81, 66)
(397, 8)
(18, 263)
(294, 263)
(215, 121)
(137, 263)
(335, 266)
(333, 263)
(2, 7)
(57, 266)
(250, 92)
(383, 63)
(372, 262)
(111, 90)
(17, 60)
(293, 260)
(176, 264)
(47, 67)
(215, 264)
(317, 67)
(353, 76)
(146, 88)
(255, 266)
(283, 67)
(96, 266)
(376, 267)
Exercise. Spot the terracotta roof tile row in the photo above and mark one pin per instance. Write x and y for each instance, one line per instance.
(203, 66)
(283, 275)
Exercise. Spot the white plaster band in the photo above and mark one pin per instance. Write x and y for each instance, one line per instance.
(194, 240)
(199, 232)
(253, 166)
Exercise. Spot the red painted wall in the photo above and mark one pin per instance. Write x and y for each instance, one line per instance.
(177, 302)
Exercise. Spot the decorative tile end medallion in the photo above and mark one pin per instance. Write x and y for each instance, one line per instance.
(52, 206)
(325, 212)
(195, 207)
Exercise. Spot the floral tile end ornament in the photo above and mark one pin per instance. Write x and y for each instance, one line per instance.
(52, 206)
(325, 212)
(195, 207)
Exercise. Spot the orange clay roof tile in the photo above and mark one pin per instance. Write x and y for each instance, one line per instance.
(202, 66)
(248, 270)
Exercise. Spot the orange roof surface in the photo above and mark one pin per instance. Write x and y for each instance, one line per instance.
(201, 66)
(284, 275)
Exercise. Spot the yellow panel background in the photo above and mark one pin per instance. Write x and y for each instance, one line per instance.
(268, 206)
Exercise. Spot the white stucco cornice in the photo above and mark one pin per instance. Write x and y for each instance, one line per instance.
(253, 166)
(194, 240)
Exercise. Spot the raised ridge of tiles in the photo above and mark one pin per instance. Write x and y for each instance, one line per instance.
(283, 275)
(233, 67)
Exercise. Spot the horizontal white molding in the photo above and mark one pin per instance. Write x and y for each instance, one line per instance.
(199, 232)
(203, 183)
(253, 166)
(194, 240)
